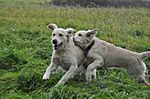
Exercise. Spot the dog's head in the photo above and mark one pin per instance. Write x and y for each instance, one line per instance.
(60, 37)
(84, 38)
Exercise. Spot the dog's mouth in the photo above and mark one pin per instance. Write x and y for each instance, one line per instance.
(76, 42)
(57, 46)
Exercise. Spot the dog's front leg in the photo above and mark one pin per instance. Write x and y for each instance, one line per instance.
(51, 68)
(92, 67)
(69, 74)
(93, 74)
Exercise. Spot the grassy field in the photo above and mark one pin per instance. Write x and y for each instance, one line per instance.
(25, 50)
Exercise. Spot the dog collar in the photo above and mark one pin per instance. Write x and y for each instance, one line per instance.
(86, 50)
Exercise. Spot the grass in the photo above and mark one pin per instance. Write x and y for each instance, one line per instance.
(25, 50)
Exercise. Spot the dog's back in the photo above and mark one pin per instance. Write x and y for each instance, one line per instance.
(115, 56)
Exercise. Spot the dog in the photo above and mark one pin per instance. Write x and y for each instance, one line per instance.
(65, 54)
(100, 53)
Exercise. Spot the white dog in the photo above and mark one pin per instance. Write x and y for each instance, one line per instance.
(65, 54)
(100, 53)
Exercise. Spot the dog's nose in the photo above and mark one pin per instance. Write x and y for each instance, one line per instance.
(54, 41)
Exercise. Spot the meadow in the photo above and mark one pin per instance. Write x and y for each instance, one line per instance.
(25, 50)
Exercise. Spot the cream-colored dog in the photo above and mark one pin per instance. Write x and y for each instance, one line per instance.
(101, 53)
(65, 54)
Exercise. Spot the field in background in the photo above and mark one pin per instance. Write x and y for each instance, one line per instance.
(25, 49)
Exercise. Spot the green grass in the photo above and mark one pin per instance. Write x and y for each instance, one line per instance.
(25, 50)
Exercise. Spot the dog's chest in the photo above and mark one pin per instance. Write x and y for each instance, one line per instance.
(64, 62)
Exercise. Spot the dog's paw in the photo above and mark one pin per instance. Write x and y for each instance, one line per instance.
(45, 77)
(147, 84)
(88, 80)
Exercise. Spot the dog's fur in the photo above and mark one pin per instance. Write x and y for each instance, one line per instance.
(65, 54)
(105, 54)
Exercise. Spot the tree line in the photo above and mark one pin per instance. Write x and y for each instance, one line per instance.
(103, 3)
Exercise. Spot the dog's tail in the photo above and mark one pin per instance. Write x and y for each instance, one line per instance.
(144, 55)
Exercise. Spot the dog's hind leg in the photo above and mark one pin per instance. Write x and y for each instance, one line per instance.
(138, 71)
(69, 74)
(144, 75)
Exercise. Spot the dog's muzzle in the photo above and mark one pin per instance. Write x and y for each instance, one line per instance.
(57, 46)
(75, 41)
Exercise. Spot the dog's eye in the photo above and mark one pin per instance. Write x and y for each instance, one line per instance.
(61, 35)
(54, 34)
(80, 35)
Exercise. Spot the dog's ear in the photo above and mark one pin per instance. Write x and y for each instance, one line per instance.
(70, 31)
(91, 33)
(52, 26)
